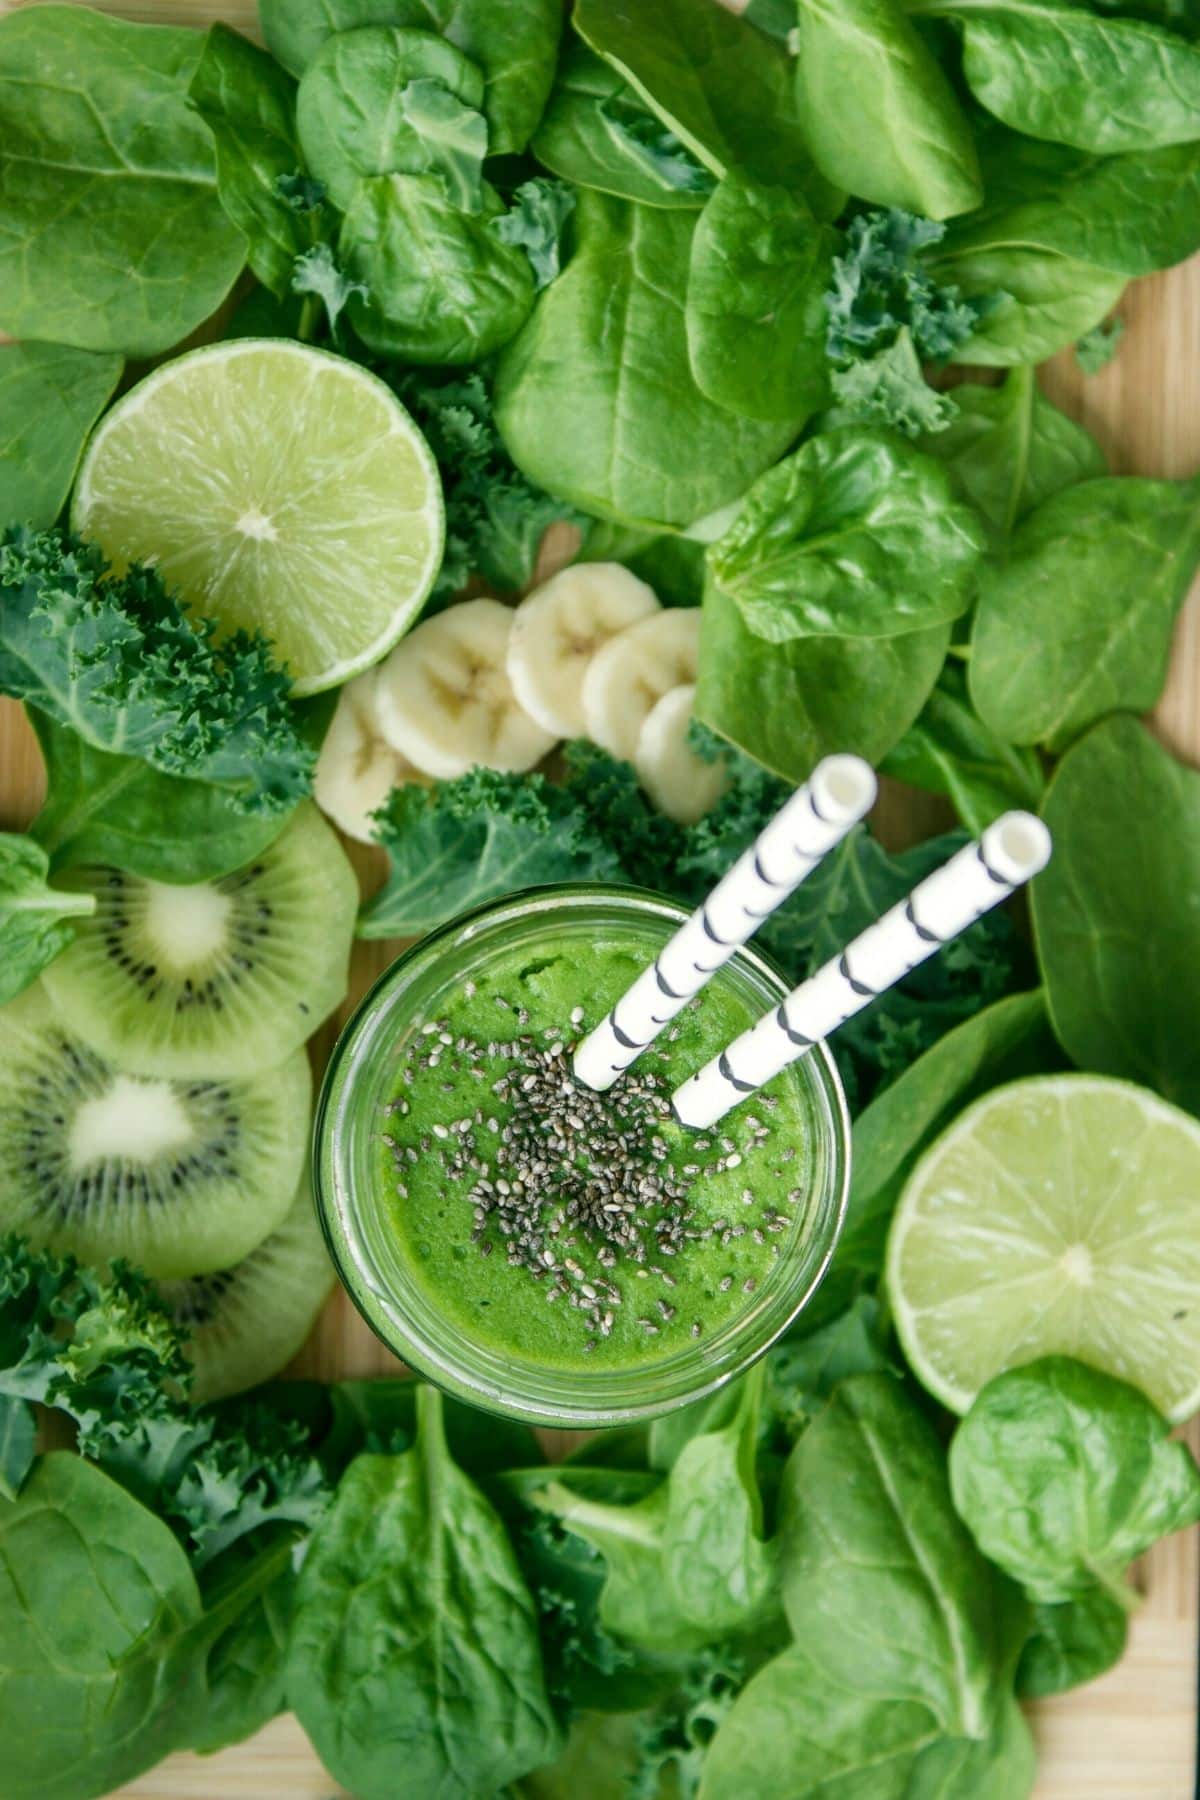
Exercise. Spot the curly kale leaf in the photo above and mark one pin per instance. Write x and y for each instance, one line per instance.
(116, 658)
(537, 215)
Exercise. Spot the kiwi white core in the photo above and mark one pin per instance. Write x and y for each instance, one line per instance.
(132, 1121)
(188, 926)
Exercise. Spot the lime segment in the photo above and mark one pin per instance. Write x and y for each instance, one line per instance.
(1059, 1214)
(278, 488)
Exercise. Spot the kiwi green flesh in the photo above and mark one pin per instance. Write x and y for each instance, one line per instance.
(217, 979)
(248, 1321)
(179, 1177)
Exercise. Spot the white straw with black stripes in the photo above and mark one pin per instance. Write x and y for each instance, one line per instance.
(839, 792)
(979, 877)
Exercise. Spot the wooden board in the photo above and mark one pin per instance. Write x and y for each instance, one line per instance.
(1131, 1735)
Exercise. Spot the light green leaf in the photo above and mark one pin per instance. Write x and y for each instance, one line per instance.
(50, 397)
(949, 750)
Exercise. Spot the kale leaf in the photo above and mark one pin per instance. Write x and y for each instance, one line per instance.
(117, 659)
(537, 215)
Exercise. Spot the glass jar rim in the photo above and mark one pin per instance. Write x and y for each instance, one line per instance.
(409, 1322)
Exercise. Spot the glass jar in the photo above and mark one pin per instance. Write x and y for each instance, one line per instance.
(373, 1263)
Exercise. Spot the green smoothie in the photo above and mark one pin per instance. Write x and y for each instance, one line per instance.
(571, 1229)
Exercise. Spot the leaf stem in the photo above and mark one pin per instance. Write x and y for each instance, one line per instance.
(310, 313)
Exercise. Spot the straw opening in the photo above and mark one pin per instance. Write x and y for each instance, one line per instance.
(1017, 846)
(843, 788)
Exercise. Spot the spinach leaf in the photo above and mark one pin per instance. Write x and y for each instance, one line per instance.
(881, 116)
(807, 1369)
(50, 397)
(244, 1674)
(18, 1443)
(721, 1574)
(949, 750)
(514, 42)
(723, 88)
(1063, 1475)
(414, 1558)
(249, 105)
(1001, 1766)
(1043, 299)
(788, 705)
(827, 542)
(1008, 1039)
(111, 233)
(875, 1563)
(1077, 620)
(381, 1416)
(578, 396)
(1072, 1642)
(35, 919)
(1056, 69)
(671, 564)
(382, 101)
(597, 133)
(441, 286)
(755, 314)
(1114, 1009)
(536, 220)
(118, 811)
(1010, 449)
(99, 1627)
(1096, 348)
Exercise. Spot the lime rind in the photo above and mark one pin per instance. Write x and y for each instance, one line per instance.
(1058, 1214)
(279, 488)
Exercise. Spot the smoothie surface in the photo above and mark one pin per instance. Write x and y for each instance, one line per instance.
(633, 1236)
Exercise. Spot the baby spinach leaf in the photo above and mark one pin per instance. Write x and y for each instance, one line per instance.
(111, 233)
(1115, 1009)
(440, 285)
(1010, 449)
(118, 811)
(579, 392)
(808, 1369)
(881, 116)
(382, 101)
(1043, 300)
(673, 565)
(1063, 1475)
(755, 314)
(514, 42)
(50, 397)
(249, 105)
(413, 1558)
(1056, 69)
(99, 1618)
(721, 1574)
(244, 1674)
(35, 919)
(723, 88)
(1071, 1642)
(788, 705)
(1000, 1766)
(1008, 1039)
(949, 750)
(1096, 349)
(18, 1443)
(829, 542)
(597, 133)
(875, 1562)
(536, 218)
(1077, 620)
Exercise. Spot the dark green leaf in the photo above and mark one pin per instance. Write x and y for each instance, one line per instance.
(881, 116)
(380, 1416)
(413, 1556)
(35, 919)
(112, 234)
(1077, 620)
(18, 1442)
(949, 750)
(788, 705)
(579, 391)
(808, 1369)
(249, 105)
(1115, 1009)
(1064, 1475)
(857, 534)
(672, 565)
(755, 312)
(1043, 300)
(1072, 1642)
(50, 397)
(535, 220)
(245, 1668)
(1096, 349)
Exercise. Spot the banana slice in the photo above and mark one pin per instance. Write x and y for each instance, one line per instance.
(559, 628)
(680, 783)
(444, 699)
(629, 676)
(357, 769)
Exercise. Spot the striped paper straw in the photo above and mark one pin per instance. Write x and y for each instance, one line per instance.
(979, 877)
(837, 794)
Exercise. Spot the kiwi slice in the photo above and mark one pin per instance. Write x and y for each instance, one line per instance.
(177, 1176)
(249, 1320)
(222, 978)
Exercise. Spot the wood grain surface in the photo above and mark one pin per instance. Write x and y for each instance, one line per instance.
(1132, 1734)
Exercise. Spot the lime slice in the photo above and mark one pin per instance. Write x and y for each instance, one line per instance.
(278, 488)
(1060, 1214)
